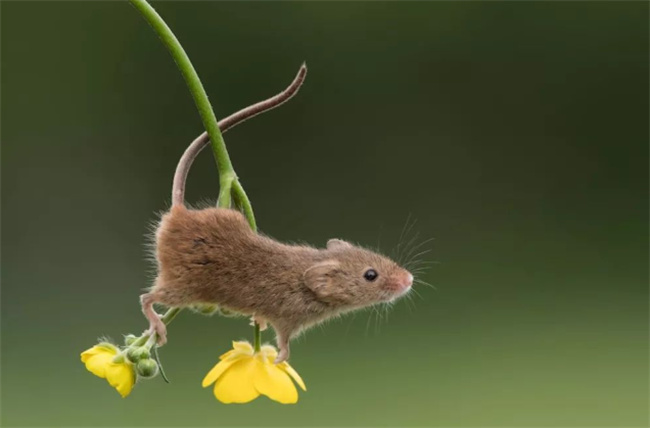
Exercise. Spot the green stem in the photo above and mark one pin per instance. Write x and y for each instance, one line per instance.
(257, 338)
(195, 86)
(229, 185)
(225, 195)
(167, 318)
(244, 203)
(170, 315)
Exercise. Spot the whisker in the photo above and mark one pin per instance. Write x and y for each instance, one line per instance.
(417, 267)
(401, 235)
(410, 256)
(421, 253)
(417, 293)
(422, 264)
(411, 241)
(423, 242)
(426, 262)
(405, 231)
(426, 284)
(368, 322)
(387, 308)
(387, 311)
(410, 303)
(379, 237)
(395, 251)
(408, 244)
(419, 270)
(418, 274)
(347, 330)
(377, 321)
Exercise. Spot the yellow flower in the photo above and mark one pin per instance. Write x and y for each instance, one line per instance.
(242, 375)
(99, 361)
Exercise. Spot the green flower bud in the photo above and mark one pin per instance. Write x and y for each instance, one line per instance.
(147, 368)
(136, 354)
(129, 339)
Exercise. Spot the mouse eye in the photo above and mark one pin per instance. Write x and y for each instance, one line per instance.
(370, 275)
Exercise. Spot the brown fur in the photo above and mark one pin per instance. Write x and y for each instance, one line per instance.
(211, 256)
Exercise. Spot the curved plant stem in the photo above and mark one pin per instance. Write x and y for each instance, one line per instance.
(226, 171)
(228, 183)
(162, 371)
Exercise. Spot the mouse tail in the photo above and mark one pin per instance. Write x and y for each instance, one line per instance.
(183, 168)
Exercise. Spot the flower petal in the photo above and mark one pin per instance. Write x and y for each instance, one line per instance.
(235, 385)
(243, 347)
(96, 350)
(227, 354)
(219, 369)
(87, 354)
(121, 377)
(293, 373)
(269, 352)
(274, 382)
(97, 363)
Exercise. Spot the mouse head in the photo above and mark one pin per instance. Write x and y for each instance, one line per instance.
(350, 276)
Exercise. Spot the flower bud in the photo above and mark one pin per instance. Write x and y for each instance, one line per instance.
(129, 339)
(147, 368)
(136, 354)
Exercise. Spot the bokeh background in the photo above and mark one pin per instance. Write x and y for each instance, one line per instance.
(516, 134)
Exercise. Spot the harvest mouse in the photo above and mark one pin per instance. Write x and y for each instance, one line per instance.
(212, 256)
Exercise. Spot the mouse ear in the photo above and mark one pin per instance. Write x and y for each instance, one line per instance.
(337, 243)
(319, 278)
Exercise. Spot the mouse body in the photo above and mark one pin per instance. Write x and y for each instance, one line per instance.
(211, 256)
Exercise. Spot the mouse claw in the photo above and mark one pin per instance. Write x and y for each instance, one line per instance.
(160, 330)
(162, 338)
(283, 356)
(283, 345)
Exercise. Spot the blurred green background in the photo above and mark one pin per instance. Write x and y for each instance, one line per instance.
(516, 134)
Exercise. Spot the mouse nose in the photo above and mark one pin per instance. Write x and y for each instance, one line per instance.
(405, 281)
(408, 280)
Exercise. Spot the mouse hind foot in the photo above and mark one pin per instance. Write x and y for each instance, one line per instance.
(283, 338)
(155, 323)
(163, 294)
